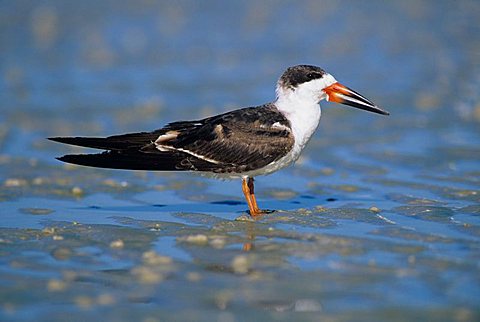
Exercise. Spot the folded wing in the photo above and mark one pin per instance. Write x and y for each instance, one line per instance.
(234, 142)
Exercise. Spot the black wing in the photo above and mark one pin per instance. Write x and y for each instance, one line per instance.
(131, 141)
(234, 142)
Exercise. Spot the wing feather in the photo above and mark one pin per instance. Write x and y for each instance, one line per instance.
(237, 141)
(241, 140)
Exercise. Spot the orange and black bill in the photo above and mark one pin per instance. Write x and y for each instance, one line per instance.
(339, 93)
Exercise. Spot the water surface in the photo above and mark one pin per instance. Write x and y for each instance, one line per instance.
(378, 220)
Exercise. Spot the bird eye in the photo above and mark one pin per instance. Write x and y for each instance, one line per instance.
(312, 75)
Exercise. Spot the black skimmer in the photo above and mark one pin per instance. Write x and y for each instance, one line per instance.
(243, 143)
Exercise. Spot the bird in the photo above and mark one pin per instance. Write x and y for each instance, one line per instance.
(239, 144)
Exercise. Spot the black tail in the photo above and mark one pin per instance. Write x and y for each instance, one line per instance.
(116, 142)
(129, 161)
(133, 151)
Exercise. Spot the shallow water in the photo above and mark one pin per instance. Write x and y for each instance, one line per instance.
(378, 220)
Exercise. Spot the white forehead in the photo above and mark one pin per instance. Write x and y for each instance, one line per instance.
(320, 83)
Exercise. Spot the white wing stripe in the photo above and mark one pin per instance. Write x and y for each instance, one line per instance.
(165, 148)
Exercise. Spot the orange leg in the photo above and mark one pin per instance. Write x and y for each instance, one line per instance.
(248, 191)
(252, 196)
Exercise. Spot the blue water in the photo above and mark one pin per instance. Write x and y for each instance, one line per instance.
(378, 220)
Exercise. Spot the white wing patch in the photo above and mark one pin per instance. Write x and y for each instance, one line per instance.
(278, 125)
(170, 135)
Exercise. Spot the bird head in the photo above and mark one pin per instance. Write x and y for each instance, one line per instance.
(312, 84)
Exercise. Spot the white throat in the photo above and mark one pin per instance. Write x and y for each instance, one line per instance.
(300, 106)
